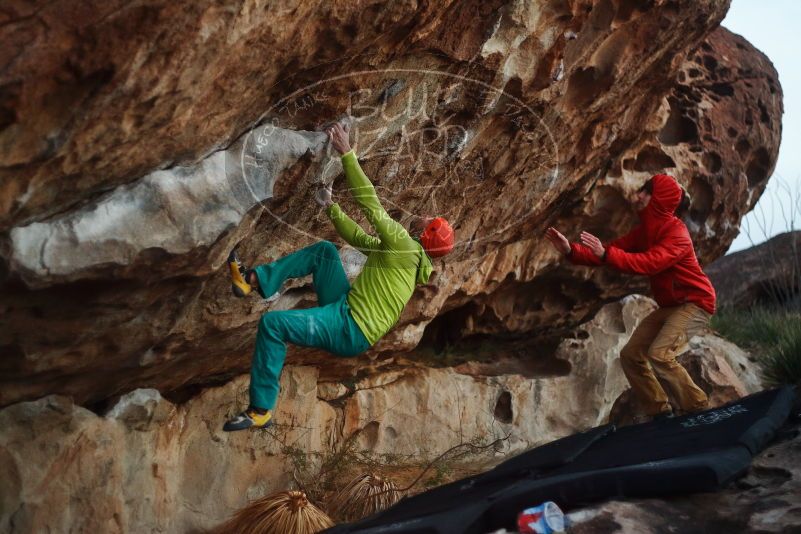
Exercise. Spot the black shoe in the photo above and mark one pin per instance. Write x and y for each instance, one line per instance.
(661, 417)
(642, 419)
(239, 285)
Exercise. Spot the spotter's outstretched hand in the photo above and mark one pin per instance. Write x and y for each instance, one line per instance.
(558, 240)
(593, 243)
(323, 196)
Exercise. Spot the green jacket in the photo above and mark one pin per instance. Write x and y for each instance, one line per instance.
(396, 263)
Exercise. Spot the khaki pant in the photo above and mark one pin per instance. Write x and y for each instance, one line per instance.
(658, 339)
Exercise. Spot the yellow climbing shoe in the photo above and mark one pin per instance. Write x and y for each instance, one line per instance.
(239, 286)
(250, 418)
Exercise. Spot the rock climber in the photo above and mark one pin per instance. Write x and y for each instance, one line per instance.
(660, 248)
(349, 319)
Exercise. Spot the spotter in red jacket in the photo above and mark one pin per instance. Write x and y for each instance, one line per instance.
(660, 248)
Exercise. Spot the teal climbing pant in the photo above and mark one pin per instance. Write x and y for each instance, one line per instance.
(329, 326)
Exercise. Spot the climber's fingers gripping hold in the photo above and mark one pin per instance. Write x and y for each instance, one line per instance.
(339, 137)
(324, 196)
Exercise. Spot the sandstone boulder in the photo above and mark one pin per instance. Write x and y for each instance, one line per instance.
(148, 464)
(141, 143)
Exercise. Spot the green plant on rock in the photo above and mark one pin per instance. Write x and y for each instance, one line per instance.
(782, 362)
(442, 471)
(772, 335)
(755, 328)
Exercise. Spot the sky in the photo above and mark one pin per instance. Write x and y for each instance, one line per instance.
(772, 27)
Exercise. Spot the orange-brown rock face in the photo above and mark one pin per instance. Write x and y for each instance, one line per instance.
(147, 464)
(717, 130)
(140, 142)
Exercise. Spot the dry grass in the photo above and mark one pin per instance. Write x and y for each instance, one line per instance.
(321, 475)
(287, 512)
(363, 496)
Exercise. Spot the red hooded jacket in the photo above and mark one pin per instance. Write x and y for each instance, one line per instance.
(660, 248)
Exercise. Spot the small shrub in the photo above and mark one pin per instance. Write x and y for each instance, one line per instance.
(772, 335)
(782, 362)
(756, 328)
(441, 473)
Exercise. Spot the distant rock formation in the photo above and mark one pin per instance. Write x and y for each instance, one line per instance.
(767, 274)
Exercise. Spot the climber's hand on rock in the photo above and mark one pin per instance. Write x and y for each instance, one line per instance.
(558, 241)
(339, 137)
(323, 196)
(593, 243)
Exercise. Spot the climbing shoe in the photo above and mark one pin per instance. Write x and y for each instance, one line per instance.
(662, 417)
(250, 418)
(657, 418)
(238, 284)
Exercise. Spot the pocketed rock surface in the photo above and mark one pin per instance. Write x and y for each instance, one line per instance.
(140, 142)
(148, 464)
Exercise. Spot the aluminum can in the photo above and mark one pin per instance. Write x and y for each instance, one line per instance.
(547, 518)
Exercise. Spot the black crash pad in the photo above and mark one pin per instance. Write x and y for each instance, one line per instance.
(699, 452)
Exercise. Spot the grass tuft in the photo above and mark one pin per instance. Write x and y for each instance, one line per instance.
(772, 335)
